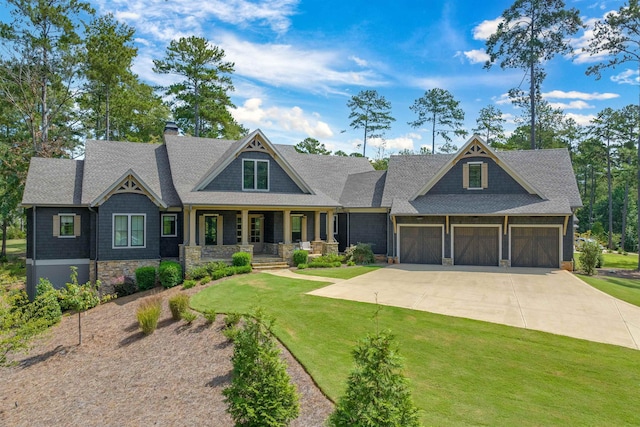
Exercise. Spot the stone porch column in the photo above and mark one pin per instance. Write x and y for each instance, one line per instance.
(287, 227)
(316, 225)
(245, 227)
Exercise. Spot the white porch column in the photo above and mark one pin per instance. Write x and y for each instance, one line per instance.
(245, 227)
(330, 238)
(316, 226)
(287, 227)
(192, 226)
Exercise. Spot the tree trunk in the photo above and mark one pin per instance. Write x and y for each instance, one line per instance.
(107, 134)
(638, 153)
(3, 252)
(592, 196)
(610, 242)
(79, 329)
(196, 113)
(433, 135)
(625, 206)
(532, 96)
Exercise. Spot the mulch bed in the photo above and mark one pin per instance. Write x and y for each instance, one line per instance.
(621, 273)
(119, 377)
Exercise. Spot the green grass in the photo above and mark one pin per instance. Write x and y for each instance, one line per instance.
(615, 260)
(16, 247)
(13, 272)
(339, 272)
(625, 289)
(463, 372)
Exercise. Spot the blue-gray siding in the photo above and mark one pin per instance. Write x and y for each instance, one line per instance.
(128, 204)
(231, 178)
(368, 228)
(50, 247)
(500, 182)
(169, 245)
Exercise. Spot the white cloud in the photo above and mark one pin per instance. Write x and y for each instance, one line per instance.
(573, 105)
(252, 114)
(361, 62)
(627, 77)
(502, 99)
(484, 30)
(595, 96)
(475, 56)
(581, 119)
(392, 144)
(287, 65)
(582, 42)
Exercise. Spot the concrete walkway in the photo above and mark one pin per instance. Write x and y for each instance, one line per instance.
(546, 300)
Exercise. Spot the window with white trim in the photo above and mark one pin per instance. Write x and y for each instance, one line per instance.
(255, 174)
(129, 230)
(475, 175)
(66, 225)
(169, 225)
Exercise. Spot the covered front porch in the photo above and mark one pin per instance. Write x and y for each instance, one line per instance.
(215, 233)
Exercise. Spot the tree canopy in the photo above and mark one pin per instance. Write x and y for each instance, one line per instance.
(370, 112)
(442, 111)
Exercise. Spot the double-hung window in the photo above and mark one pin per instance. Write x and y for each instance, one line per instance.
(129, 230)
(255, 174)
(66, 225)
(475, 175)
(169, 225)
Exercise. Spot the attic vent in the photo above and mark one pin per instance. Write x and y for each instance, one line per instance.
(255, 145)
(475, 150)
(130, 185)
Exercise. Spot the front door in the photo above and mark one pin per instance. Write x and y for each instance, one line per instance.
(256, 232)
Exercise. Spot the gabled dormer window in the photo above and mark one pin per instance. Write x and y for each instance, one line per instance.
(255, 175)
(475, 175)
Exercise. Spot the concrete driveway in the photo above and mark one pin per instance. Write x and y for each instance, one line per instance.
(546, 300)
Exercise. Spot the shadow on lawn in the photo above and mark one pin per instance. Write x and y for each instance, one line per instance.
(220, 380)
(34, 360)
(625, 283)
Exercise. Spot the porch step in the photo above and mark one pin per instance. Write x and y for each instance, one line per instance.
(269, 265)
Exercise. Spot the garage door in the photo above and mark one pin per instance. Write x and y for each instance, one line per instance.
(421, 245)
(476, 246)
(535, 247)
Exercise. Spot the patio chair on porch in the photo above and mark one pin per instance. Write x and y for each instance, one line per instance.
(305, 246)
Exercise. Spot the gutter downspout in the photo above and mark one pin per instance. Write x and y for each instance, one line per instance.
(95, 261)
(33, 260)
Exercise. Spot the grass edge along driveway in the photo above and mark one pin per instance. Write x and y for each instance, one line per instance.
(462, 372)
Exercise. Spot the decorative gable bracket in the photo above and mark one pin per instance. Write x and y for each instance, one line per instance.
(130, 183)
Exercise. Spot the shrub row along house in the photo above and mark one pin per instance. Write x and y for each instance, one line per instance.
(127, 205)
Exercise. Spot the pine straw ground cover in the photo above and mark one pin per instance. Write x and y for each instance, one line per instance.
(119, 377)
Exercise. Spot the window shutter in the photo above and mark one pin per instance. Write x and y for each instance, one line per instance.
(76, 225)
(465, 175)
(485, 175)
(56, 225)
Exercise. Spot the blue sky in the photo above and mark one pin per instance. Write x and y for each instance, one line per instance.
(297, 62)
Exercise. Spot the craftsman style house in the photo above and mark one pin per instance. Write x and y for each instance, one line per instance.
(194, 199)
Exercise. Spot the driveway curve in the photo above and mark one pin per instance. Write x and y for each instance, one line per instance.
(546, 300)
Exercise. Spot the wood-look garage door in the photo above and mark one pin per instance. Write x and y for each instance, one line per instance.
(476, 245)
(535, 247)
(421, 245)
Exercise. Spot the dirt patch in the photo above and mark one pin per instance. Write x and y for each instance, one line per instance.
(119, 377)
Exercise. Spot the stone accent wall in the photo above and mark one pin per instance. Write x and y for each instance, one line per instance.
(567, 265)
(285, 251)
(447, 261)
(316, 246)
(195, 256)
(505, 263)
(109, 270)
(329, 248)
(271, 248)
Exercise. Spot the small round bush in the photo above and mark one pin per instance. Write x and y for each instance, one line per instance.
(178, 304)
(590, 257)
(188, 284)
(241, 258)
(300, 256)
(124, 286)
(146, 277)
(197, 273)
(169, 274)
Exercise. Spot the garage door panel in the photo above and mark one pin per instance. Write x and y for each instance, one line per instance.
(535, 247)
(476, 246)
(421, 245)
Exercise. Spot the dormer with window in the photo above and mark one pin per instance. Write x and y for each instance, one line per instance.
(475, 175)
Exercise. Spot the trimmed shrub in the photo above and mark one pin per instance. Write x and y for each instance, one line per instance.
(302, 266)
(170, 274)
(300, 256)
(146, 277)
(590, 256)
(205, 280)
(261, 392)
(360, 254)
(231, 320)
(321, 264)
(219, 274)
(330, 258)
(148, 314)
(178, 304)
(243, 269)
(188, 284)
(124, 285)
(45, 306)
(197, 273)
(215, 265)
(241, 258)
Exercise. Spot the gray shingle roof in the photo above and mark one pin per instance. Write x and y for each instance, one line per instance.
(363, 190)
(107, 161)
(55, 182)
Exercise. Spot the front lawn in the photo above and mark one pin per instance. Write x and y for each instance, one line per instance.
(463, 372)
(625, 289)
(339, 272)
(615, 260)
